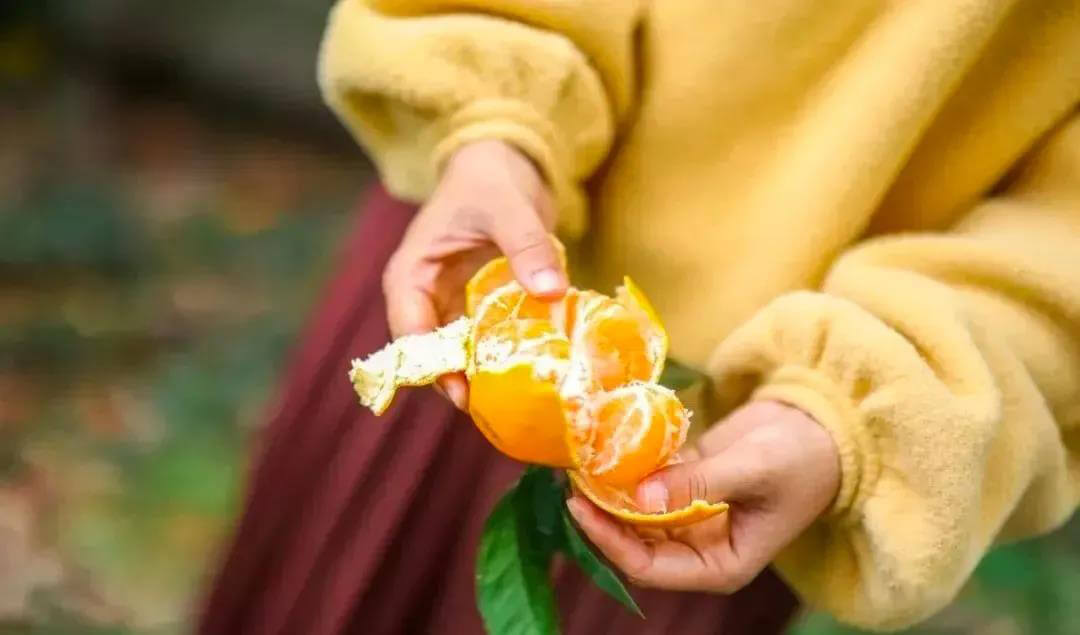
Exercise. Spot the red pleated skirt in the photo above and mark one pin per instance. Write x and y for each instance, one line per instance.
(357, 524)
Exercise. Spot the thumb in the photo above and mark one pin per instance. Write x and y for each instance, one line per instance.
(531, 250)
(714, 479)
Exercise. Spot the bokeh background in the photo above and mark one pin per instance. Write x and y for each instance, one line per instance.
(172, 193)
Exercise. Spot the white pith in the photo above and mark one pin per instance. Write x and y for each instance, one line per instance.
(411, 360)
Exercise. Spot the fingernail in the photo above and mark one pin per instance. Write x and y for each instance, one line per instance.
(574, 506)
(653, 497)
(456, 392)
(546, 281)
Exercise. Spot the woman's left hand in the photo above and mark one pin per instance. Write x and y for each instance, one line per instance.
(776, 467)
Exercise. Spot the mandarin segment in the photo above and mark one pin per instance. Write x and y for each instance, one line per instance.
(509, 302)
(632, 297)
(494, 274)
(618, 340)
(491, 276)
(633, 430)
(616, 349)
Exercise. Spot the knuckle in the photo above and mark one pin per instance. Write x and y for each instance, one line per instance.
(765, 469)
(487, 183)
(637, 574)
(698, 485)
(771, 436)
(478, 201)
(764, 462)
(637, 579)
(474, 216)
(531, 241)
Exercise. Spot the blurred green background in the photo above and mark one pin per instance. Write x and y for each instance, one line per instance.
(171, 197)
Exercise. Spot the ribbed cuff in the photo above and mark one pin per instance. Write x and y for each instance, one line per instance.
(819, 397)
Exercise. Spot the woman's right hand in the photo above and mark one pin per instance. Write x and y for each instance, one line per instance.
(491, 200)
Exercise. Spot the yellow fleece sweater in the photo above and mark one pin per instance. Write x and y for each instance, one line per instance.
(870, 210)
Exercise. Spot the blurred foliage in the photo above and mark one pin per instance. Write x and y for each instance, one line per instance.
(171, 192)
(70, 227)
(156, 260)
(133, 371)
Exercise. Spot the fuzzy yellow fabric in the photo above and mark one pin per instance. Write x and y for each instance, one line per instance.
(870, 211)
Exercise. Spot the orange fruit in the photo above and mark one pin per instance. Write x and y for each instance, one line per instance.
(569, 383)
(626, 432)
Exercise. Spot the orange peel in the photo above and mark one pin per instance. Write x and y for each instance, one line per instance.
(623, 507)
(569, 383)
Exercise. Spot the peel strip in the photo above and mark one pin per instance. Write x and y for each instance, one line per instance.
(697, 511)
(411, 360)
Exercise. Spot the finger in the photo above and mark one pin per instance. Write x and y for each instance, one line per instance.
(409, 310)
(664, 564)
(530, 248)
(455, 388)
(618, 543)
(452, 306)
(715, 479)
(455, 271)
(757, 536)
(724, 433)
(441, 391)
(751, 534)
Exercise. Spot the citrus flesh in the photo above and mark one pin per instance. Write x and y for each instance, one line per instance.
(569, 383)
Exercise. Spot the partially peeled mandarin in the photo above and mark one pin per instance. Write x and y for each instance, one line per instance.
(569, 384)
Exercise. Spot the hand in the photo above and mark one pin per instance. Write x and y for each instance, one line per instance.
(777, 467)
(491, 200)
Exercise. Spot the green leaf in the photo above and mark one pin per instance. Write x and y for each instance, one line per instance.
(678, 377)
(598, 572)
(513, 591)
(528, 525)
(540, 501)
(1013, 568)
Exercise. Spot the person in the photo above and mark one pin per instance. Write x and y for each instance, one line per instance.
(861, 220)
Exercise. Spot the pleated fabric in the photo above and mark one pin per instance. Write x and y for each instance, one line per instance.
(357, 524)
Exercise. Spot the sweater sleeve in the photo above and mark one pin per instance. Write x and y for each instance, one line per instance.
(413, 80)
(946, 366)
